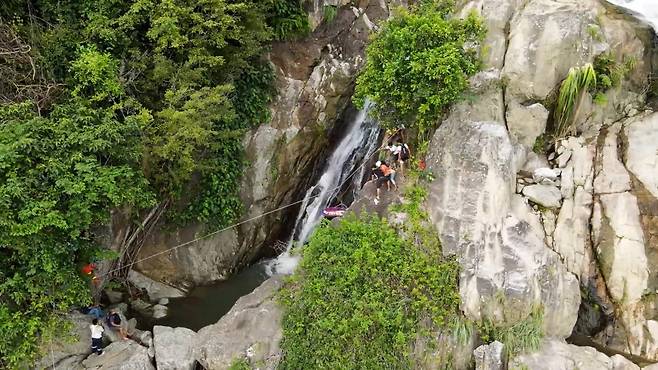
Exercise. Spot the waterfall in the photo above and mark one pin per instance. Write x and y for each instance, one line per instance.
(345, 166)
(645, 10)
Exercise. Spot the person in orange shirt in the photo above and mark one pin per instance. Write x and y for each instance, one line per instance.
(88, 270)
(387, 176)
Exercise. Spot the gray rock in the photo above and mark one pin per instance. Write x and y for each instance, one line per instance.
(563, 158)
(62, 350)
(121, 355)
(534, 161)
(572, 230)
(545, 41)
(159, 311)
(121, 307)
(173, 348)
(144, 308)
(548, 196)
(505, 267)
(620, 362)
(70, 363)
(526, 123)
(545, 173)
(155, 290)
(164, 301)
(489, 357)
(114, 296)
(643, 148)
(253, 324)
(558, 355)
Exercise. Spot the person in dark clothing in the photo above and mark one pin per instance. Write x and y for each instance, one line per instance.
(114, 322)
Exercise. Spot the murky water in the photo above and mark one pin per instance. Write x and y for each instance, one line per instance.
(205, 305)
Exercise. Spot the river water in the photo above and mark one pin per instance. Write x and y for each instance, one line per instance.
(342, 177)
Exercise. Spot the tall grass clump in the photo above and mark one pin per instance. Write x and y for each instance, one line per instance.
(572, 92)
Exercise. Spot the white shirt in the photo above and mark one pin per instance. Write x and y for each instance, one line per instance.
(395, 149)
(96, 331)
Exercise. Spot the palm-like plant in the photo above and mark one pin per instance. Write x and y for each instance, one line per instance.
(572, 93)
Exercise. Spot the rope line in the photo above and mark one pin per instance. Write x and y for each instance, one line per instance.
(365, 161)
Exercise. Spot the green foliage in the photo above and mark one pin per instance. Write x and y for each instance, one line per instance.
(287, 18)
(36, 280)
(329, 13)
(95, 75)
(419, 64)
(59, 176)
(358, 298)
(594, 32)
(240, 364)
(572, 91)
(610, 73)
(153, 98)
(523, 337)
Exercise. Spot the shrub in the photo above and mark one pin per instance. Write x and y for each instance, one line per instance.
(359, 295)
(419, 64)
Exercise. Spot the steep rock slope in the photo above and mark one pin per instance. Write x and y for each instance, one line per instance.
(591, 221)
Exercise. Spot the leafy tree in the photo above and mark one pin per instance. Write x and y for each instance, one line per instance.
(59, 176)
(419, 63)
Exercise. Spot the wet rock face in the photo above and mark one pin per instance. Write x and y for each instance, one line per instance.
(315, 78)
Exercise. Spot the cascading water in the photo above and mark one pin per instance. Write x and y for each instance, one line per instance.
(344, 167)
(645, 10)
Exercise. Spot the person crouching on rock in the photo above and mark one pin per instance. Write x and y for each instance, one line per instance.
(388, 177)
(96, 337)
(114, 322)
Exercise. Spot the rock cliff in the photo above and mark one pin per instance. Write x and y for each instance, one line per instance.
(315, 78)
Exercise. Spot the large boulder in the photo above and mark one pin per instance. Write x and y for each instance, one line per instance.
(68, 350)
(252, 329)
(558, 355)
(545, 41)
(121, 355)
(547, 196)
(173, 348)
(507, 270)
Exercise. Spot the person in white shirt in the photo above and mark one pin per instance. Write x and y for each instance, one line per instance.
(96, 337)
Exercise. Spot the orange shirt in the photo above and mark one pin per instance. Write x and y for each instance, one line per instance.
(385, 169)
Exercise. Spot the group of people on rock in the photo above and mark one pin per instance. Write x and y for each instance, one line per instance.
(392, 159)
(112, 321)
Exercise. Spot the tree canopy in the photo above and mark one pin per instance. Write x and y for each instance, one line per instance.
(118, 104)
(419, 63)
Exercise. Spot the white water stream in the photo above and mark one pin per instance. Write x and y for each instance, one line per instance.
(344, 166)
(645, 10)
